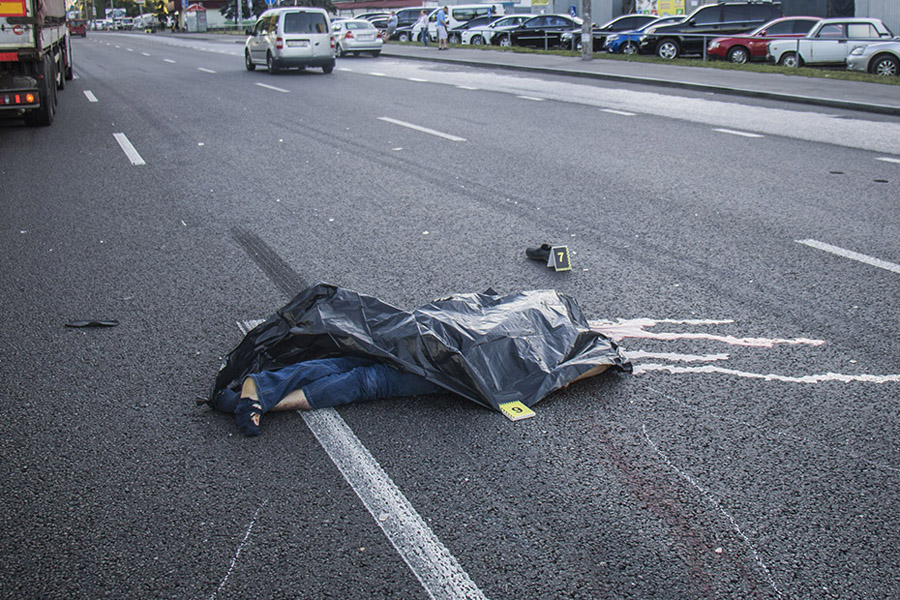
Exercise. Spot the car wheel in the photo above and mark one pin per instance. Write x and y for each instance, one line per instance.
(248, 62)
(667, 49)
(376, 54)
(454, 38)
(505, 42)
(629, 48)
(885, 65)
(339, 51)
(270, 63)
(327, 69)
(738, 55)
(477, 41)
(403, 37)
(788, 59)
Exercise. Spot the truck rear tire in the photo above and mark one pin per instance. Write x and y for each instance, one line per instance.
(47, 90)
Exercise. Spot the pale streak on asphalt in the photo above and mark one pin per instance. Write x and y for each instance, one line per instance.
(888, 159)
(436, 569)
(90, 96)
(863, 258)
(206, 70)
(440, 134)
(740, 133)
(129, 150)
(613, 111)
(273, 88)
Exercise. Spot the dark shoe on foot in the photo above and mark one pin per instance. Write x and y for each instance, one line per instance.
(247, 416)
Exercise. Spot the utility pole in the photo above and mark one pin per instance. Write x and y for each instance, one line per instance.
(587, 35)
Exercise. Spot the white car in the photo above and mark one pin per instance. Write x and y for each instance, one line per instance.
(829, 42)
(290, 37)
(880, 58)
(353, 36)
(481, 36)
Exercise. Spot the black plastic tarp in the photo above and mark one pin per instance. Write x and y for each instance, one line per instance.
(485, 347)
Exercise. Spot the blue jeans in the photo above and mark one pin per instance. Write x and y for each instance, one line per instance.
(331, 382)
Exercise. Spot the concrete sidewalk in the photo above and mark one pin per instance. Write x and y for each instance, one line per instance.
(852, 95)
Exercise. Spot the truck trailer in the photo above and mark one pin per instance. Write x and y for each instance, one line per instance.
(35, 57)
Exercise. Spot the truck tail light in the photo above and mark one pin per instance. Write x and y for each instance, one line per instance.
(279, 43)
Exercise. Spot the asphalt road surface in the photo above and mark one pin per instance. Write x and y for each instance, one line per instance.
(744, 253)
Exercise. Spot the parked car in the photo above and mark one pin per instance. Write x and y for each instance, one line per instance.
(618, 25)
(355, 36)
(880, 58)
(297, 36)
(483, 34)
(454, 35)
(830, 42)
(626, 42)
(755, 45)
(368, 16)
(713, 20)
(77, 27)
(542, 31)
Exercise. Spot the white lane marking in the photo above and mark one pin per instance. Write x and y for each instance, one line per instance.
(466, 87)
(436, 569)
(345, 69)
(131, 49)
(169, 60)
(206, 70)
(736, 132)
(90, 96)
(417, 79)
(272, 87)
(378, 74)
(637, 328)
(674, 356)
(440, 134)
(863, 258)
(896, 161)
(75, 75)
(718, 506)
(145, 54)
(613, 111)
(532, 98)
(129, 150)
(239, 549)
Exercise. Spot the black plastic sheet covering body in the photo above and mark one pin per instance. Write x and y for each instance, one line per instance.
(485, 347)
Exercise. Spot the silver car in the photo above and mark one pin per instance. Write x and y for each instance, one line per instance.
(353, 36)
(290, 37)
(880, 58)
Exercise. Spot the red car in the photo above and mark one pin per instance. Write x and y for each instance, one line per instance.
(752, 46)
(77, 27)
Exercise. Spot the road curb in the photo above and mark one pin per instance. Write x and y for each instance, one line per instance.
(688, 85)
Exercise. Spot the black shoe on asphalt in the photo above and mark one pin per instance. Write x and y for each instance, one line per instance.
(542, 254)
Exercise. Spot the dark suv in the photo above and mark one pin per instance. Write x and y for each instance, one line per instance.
(713, 20)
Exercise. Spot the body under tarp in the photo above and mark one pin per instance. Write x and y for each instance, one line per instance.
(488, 348)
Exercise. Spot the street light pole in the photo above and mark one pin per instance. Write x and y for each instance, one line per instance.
(587, 38)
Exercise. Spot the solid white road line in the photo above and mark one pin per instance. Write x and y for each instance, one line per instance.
(740, 133)
(613, 111)
(436, 569)
(417, 79)
(272, 87)
(90, 96)
(863, 258)
(896, 161)
(129, 150)
(446, 136)
(206, 70)
(532, 98)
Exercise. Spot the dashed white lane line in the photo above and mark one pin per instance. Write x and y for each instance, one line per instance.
(90, 96)
(623, 113)
(436, 569)
(439, 134)
(378, 74)
(863, 258)
(206, 70)
(888, 159)
(532, 98)
(417, 79)
(738, 133)
(129, 150)
(145, 53)
(169, 60)
(273, 88)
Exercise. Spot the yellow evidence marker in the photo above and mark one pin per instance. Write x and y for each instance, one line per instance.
(516, 411)
(559, 258)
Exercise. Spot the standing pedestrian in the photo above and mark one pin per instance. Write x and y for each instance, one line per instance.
(422, 25)
(392, 25)
(442, 28)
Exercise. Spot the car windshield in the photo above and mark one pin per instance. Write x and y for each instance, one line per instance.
(304, 22)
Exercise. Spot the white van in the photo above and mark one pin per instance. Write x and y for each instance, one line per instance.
(459, 14)
(297, 36)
